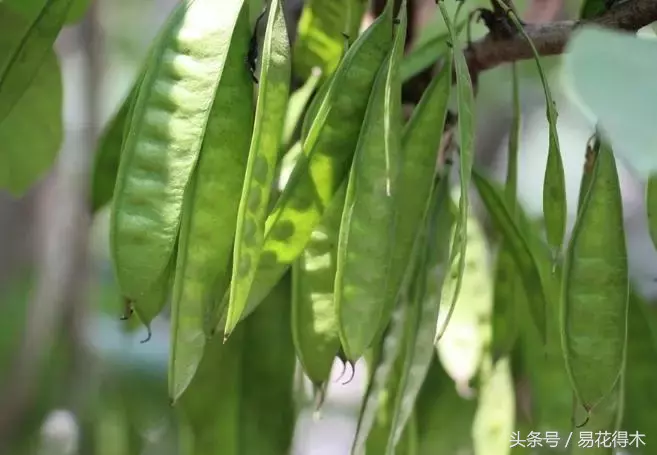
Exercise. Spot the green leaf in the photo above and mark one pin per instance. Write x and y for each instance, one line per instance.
(39, 109)
(24, 54)
(611, 75)
(495, 417)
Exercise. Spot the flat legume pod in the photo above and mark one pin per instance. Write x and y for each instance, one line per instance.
(210, 210)
(263, 156)
(595, 288)
(421, 139)
(314, 322)
(365, 250)
(165, 137)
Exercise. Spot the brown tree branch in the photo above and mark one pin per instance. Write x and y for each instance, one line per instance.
(550, 39)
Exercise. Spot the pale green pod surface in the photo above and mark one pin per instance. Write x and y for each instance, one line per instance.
(421, 138)
(444, 418)
(210, 209)
(327, 151)
(466, 130)
(466, 337)
(319, 41)
(165, 137)
(595, 288)
(314, 322)
(273, 92)
(365, 250)
(29, 53)
(495, 419)
(651, 207)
